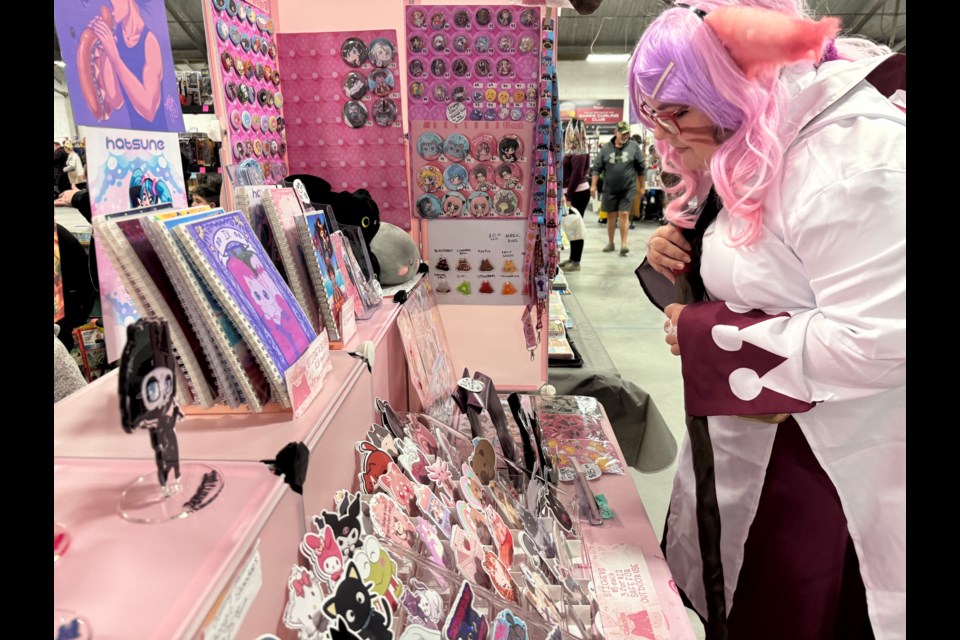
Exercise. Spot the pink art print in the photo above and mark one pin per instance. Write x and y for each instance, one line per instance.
(489, 68)
(391, 522)
(631, 608)
(399, 487)
(455, 184)
(247, 86)
(344, 114)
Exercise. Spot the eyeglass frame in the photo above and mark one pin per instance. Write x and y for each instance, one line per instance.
(659, 119)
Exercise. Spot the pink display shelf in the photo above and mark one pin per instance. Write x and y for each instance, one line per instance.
(632, 527)
(160, 581)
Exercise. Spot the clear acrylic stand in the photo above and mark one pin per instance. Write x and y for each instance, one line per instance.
(145, 501)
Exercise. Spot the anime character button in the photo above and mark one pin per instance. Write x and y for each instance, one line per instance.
(257, 148)
(459, 93)
(280, 122)
(503, 97)
(353, 51)
(255, 121)
(505, 18)
(438, 42)
(461, 19)
(354, 114)
(381, 53)
(441, 93)
(509, 176)
(354, 86)
(516, 114)
(380, 82)
(416, 89)
(223, 30)
(384, 112)
(510, 148)
(255, 42)
(248, 70)
(479, 205)
(276, 77)
(248, 146)
(482, 68)
(272, 50)
(428, 206)
(262, 97)
(461, 44)
(456, 147)
(528, 18)
(274, 147)
(264, 125)
(258, 70)
(264, 46)
(484, 179)
(226, 60)
(416, 44)
(484, 17)
(246, 119)
(278, 100)
(438, 68)
(476, 114)
(460, 68)
(504, 68)
(429, 145)
(505, 44)
(219, 5)
(241, 12)
(244, 41)
(437, 21)
(418, 19)
(283, 148)
(526, 44)
(271, 97)
(416, 68)
(454, 205)
(235, 35)
(430, 179)
(490, 95)
(235, 120)
(243, 92)
(505, 203)
(238, 151)
(455, 177)
(232, 8)
(490, 114)
(230, 90)
(481, 44)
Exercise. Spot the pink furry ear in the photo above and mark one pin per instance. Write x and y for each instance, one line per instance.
(762, 40)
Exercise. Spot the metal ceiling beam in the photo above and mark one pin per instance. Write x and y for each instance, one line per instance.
(866, 17)
(197, 38)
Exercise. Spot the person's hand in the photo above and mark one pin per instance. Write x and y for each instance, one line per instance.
(673, 311)
(668, 251)
(65, 198)
(593, 192)
(106, 37)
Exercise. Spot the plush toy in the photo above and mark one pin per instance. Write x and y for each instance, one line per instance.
(396, 253)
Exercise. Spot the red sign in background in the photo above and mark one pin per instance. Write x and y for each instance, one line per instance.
(593, 112)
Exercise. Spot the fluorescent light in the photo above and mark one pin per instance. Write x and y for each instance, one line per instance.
(608, 57)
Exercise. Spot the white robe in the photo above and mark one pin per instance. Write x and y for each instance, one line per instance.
(832, 258)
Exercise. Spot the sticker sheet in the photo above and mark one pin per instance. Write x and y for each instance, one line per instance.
(345, 115)
(247, 64)
(471, 264)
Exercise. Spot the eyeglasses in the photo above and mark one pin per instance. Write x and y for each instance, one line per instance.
(668, 121)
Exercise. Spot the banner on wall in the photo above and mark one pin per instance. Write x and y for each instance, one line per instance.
(593, 112)
(119, 66)
(128, 170)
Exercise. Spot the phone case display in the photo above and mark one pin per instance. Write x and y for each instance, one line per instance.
(463, 66)
(428, 353)
(345, 119)
(439, 543)
(471, 170)
(477, 264)
(247, 63)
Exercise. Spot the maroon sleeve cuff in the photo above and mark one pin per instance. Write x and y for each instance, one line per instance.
(709, 369)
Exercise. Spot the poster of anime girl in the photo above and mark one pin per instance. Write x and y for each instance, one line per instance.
(119, 66)
(235, 266)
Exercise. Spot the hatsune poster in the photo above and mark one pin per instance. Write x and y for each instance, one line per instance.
(119, 66)
(129, 170)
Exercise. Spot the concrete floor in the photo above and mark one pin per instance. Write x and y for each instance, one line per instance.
(631, 329)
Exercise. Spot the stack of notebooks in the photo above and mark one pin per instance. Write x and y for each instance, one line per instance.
(238, 290)
(560, 351)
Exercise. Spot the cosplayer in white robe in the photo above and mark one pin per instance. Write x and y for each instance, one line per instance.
(831, 266)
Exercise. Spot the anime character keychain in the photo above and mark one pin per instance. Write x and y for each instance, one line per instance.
(148, 389)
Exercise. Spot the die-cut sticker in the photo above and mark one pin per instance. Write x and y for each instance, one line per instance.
(413, 461)
(346, 524)
(469, 555)
(424, 606)
(499, 576)
(354, 603)
(464, 622)
(470, 488)
(304, 599)
(501, 535)
(474, 522)
(427, 533)
(484, 461)
(390, 522)
(383, 439)
(507, 626)
(373, 464)
(324, 555)
(433, 508)
(399, 487)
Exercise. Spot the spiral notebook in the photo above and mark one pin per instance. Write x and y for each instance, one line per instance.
(249, 199)
(316, 244)
(283, 207)
(143, 274)
(233, 263)
(232, 355)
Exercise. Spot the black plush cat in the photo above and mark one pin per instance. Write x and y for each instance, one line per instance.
(354, 603)
(346, 525)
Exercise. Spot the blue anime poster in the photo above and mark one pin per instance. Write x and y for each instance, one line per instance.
(119, 66)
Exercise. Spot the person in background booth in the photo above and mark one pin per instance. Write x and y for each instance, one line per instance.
(791, 208)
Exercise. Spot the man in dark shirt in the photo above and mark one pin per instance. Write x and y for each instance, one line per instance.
(621, 163)
(61, 182)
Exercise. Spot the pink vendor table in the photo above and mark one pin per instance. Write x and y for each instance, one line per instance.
(170, 580)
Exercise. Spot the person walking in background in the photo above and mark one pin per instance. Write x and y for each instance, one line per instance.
(207, 192)
(576, 183)
(74, 167)
(788, 513)
(621, 162)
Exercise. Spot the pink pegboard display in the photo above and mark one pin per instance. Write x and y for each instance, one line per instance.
(344, 115)
(485, 59)
(250, 78)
